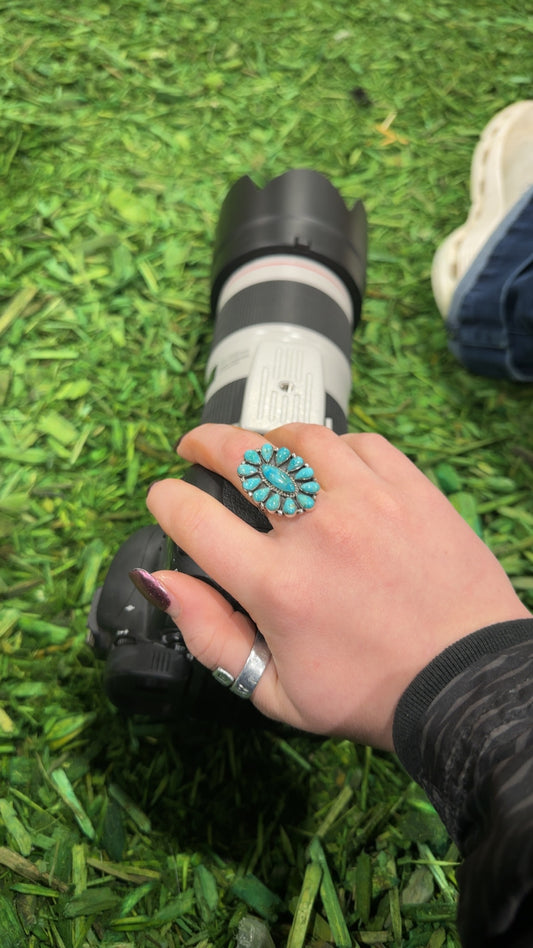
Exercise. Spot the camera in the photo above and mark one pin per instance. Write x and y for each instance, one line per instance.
(287, 283)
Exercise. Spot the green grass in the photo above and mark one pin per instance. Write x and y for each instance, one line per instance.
(122, 127)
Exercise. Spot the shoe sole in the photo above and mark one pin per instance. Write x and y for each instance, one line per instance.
(502, 170)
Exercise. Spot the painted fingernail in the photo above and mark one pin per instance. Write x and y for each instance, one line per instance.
(150, 588)
(178, 442)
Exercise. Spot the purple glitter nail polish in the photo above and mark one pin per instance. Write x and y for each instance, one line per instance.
(150, 588)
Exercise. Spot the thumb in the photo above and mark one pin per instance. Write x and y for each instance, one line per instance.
(215, 633)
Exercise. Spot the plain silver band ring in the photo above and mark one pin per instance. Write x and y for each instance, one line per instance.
(255, 664)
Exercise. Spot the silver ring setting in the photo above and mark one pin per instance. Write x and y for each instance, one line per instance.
(246, 681)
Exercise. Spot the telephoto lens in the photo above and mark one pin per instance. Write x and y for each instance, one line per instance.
(287, 283)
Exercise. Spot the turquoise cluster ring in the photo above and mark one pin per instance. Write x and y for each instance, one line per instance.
(278, 480)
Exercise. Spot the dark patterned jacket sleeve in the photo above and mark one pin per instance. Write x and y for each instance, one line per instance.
(464, 730)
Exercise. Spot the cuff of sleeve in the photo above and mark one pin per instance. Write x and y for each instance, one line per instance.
(423, 690)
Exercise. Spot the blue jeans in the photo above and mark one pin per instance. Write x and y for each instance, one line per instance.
(490, 323)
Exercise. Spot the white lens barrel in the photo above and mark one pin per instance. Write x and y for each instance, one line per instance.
(290, 268)
(282, 346)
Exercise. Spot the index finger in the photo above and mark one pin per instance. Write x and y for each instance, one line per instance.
(226, 547)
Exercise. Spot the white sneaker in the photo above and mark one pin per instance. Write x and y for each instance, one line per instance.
(502, 171)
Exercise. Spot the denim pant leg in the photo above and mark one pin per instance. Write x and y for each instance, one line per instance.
(490, 323)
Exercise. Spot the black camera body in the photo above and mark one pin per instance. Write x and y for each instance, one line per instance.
(287, 284)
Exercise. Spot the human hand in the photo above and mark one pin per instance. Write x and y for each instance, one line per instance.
(353, 598)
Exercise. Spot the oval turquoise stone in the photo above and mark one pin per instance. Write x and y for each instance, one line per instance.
(252, 457)
(305, 474)
(273, 503)
(251, 483)
(289, 507)
(311, 487)
(305, 502)
(279, 479)
(261, 494)
(295, 463)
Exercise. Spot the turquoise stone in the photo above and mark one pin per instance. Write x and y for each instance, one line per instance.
(289, 507)
(312, 487)
(305, 502)
(266, 452)
(273, 503)
(261, 494)
(251, 483)
(305, 474)
(279, 479)
(282, 455)
(246, 470)
(252, 457)
(294, 464)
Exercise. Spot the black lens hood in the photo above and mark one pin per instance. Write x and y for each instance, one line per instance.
(299, 212)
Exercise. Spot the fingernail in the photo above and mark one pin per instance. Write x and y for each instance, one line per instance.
(150, 588)
(178, 442)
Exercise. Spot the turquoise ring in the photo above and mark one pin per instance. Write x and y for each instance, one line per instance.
(278, 480)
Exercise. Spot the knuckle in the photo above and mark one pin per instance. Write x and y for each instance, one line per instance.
(202, 646)
(370, 441)
(302, 434)
(376, 440)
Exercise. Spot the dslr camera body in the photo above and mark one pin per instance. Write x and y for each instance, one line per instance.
(287, 283)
